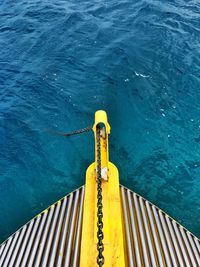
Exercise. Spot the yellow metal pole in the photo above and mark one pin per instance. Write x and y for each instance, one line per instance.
(112, 216)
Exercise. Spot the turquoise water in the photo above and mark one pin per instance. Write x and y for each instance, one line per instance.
(60, 61)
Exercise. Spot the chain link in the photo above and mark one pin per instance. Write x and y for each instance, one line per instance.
(100, 236)
(84, 130)
(87, 129)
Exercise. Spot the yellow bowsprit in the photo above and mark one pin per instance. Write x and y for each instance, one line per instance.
(112, 216)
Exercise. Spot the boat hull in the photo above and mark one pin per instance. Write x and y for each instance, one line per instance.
(53, 238)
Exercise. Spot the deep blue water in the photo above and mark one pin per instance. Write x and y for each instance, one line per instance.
(60, 61)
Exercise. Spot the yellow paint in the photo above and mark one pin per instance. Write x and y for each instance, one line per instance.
(112, 216)
(45, 211)
(101, 117)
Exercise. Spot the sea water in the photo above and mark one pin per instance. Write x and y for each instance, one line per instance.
(60, 61)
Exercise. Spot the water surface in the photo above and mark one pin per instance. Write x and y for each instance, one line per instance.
(60, 61)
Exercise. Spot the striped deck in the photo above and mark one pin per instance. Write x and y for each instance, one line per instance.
(53, 237)
(153, 238)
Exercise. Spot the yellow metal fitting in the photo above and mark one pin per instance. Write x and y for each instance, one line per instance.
(101, 119)
(112, 215)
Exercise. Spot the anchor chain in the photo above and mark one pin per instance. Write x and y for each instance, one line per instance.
(100, 236)
(83, 130)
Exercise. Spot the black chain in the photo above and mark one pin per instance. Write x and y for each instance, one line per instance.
(100, 246)
(87, 129)
(84, 130)
(100, 236)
